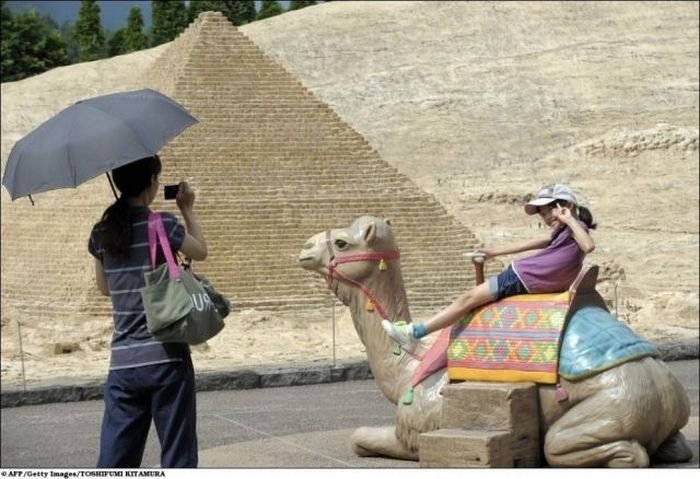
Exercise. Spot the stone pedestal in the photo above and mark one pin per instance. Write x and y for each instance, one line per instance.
(485, 425)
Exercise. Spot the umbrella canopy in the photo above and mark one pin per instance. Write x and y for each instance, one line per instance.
(92, 137)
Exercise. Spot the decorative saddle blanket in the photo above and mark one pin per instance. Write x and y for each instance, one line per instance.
(515, 339)
(595, 341)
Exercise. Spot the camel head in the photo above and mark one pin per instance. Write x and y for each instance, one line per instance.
(366, 234)
(361, 266)
(359, 262)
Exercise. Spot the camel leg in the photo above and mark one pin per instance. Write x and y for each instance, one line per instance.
(380, 441)
(587, 436)
(674, 449)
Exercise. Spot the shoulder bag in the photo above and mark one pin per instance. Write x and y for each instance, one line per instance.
(181, 307)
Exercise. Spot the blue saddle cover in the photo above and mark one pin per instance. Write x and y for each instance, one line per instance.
(594, 340)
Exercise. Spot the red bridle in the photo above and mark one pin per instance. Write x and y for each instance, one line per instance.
(336, 259)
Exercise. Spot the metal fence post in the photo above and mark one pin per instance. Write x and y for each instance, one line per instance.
(333, 321)
(21, 355)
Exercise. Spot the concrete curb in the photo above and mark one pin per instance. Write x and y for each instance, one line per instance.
(264, 377)
(249, 378)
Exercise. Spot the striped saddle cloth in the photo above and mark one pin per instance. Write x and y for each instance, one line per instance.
(513, 340)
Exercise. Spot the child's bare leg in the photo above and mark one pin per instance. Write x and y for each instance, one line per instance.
(408, 335)
(469, 300)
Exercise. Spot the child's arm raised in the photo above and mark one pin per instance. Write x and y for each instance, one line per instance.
(583, 239)
(516, 247)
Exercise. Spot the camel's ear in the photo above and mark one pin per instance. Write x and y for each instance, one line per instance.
(370, 233)
(387, 221)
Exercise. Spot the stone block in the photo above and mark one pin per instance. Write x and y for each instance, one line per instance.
(494, 406)
(465, 448)
(488, 405)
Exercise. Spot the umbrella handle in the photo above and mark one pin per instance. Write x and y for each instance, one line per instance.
(112, 185)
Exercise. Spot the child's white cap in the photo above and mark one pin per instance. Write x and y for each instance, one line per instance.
(548, 194)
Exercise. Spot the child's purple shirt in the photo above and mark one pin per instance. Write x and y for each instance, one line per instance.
(554, 268)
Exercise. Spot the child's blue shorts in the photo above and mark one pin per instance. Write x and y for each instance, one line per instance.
(506, 284)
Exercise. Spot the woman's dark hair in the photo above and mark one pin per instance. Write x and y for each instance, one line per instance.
(584, 214)
(115, 231)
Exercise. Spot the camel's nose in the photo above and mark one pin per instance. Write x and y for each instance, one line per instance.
(310, 257)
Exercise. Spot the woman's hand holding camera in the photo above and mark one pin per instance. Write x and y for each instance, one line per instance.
(185, 197)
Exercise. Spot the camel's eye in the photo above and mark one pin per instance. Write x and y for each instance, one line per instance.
(340, 244)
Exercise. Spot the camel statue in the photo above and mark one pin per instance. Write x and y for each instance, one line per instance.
(616, 418)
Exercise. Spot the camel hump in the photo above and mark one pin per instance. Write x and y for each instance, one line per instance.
(582, 292)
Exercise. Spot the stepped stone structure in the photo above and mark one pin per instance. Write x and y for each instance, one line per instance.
(270, 164)
(485, 425)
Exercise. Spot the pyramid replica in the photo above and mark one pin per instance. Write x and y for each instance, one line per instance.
(271, 165)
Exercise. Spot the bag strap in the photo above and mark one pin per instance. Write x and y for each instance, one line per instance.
(155, 227)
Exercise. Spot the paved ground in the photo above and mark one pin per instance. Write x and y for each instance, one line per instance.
(299, 426)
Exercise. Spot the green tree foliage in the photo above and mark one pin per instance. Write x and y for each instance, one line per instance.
(199, 6)
(68, 34)
(297, 4)
(269, 8)
(50, 22)
(116, 44)
(134, 38)
(88, 31)
(29, 45)
(169, 20)
(240, 12)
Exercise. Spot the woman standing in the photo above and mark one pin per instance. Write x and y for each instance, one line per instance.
(147, 380)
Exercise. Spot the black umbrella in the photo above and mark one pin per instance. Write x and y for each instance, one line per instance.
(92, 137)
